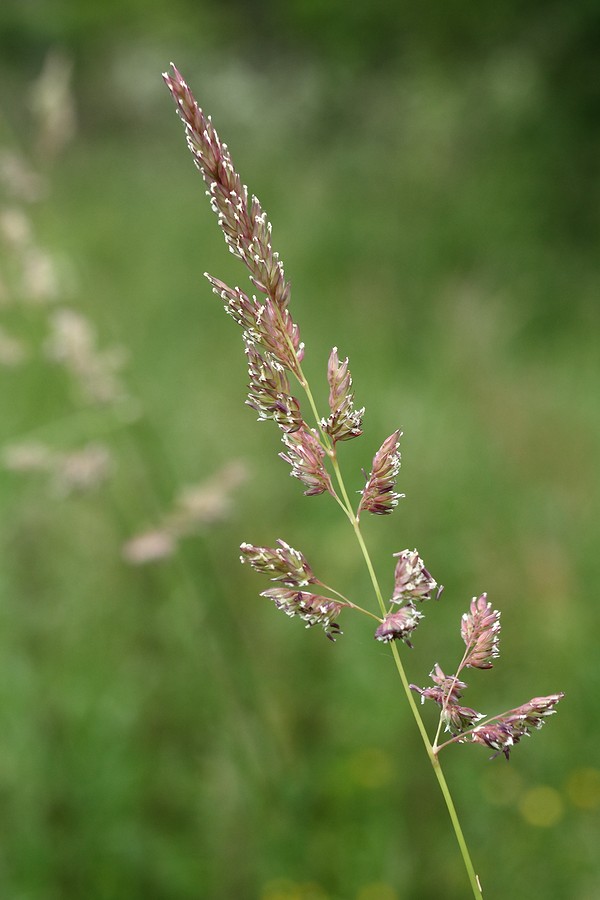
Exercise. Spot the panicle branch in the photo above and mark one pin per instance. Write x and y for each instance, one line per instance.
(480, 628)
(505, 731)
(312, 608)
(281, 563)
(290, 568)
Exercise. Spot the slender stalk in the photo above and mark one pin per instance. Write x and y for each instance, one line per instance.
(355, 606)
(473, 878)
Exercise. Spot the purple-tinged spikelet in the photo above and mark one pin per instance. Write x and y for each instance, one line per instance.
(263, 324)
(280, 335)
(305, 455)
(480, 630)
(506, 731)
(412, 581)
(269, 391)
(446, 692)
(312, 608)
(344, 422)
(281, 563)
(398, 626)
(457, 718)
(378, 496)
(450, 688)
(244, 310)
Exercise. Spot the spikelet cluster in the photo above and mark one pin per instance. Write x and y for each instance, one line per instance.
(480, 631)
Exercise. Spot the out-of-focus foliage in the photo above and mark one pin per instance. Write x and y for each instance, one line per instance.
(431, 175)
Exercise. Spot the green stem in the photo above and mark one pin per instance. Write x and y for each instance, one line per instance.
(474, 880)
(369, 565)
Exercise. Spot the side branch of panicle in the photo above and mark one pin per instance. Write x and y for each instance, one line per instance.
(243, 222)
(480, 630)
(344, 422)
(312, 608)
(281, 563)
(378, 496)
(505, 731)
(291, 570)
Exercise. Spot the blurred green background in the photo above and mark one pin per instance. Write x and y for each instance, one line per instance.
(431, 175)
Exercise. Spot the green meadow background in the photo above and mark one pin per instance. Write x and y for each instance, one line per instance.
(431, 175)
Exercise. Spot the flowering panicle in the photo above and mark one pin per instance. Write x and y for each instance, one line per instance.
(274, 350)
(71, 471)
(344, 422)
(72, 343)
(412, 581)
(480, 630)
(305, 455)
(269, 391)
(378, 495)
(505, 731)
(281, 563)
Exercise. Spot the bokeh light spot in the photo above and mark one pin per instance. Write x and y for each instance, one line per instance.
(583, 788)
(541, 806)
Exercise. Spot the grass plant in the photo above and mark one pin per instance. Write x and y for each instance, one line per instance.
(312, 444)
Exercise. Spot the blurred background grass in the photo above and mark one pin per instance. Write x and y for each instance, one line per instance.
(431, 174)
